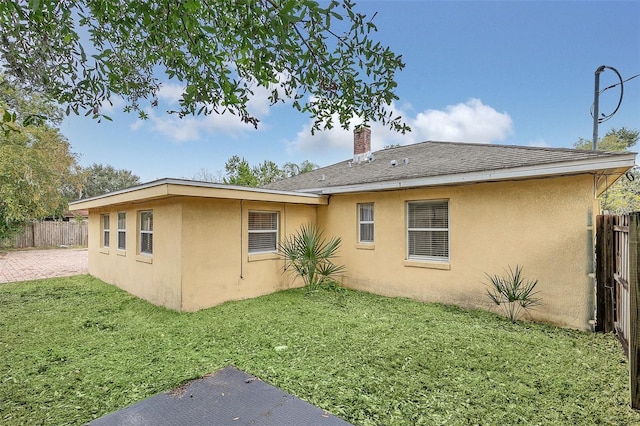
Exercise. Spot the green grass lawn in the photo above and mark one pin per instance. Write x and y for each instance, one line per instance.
(73, 349)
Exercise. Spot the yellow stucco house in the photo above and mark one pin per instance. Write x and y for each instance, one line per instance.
(424, 221)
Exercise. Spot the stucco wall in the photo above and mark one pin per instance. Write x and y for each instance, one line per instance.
(200, 252)
(216, 264)
(201, 258)
(542, 225)
(154, 278)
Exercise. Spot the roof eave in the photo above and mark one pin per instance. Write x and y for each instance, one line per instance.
(593, 166)
(167, 188)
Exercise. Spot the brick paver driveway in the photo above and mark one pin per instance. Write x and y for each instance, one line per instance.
(36, 264)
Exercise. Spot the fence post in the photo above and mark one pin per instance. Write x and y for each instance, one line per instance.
(634, 302)
(600, 305)
(605, 260)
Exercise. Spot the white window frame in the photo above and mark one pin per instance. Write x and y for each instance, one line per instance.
(432, 229)
(122, 231)
(106, 233)
(275, 231)
(361, 222)
(145, 232)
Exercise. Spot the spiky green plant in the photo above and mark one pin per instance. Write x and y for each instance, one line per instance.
(310, 255)
(512, 293)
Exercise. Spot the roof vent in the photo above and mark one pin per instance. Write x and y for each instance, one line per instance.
(393, 163)
(321, 178)
(405, 160)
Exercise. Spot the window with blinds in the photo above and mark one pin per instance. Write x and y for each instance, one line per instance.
(122, 231)
(365, 223)
(146, 231)
(428, 230)
(105, 230)
(263, 232)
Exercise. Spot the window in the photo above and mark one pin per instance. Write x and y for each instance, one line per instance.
(105, 230)
(263, 232)
(365, 223)
(146, 232)
(122, 231)
(428, 230)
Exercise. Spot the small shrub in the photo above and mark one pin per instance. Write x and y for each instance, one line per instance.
(512, 293)
(310, 255)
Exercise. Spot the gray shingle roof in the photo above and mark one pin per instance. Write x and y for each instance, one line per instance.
(431, 159)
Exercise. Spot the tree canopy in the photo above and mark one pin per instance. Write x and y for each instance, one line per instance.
(614, 140)
(320, 57)
(238, 171)
(99, 179)
(35, 161)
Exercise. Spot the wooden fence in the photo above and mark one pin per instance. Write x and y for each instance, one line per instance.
(49, 234)
(617, 287)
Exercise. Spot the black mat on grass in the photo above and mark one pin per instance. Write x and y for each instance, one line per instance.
(228, 397)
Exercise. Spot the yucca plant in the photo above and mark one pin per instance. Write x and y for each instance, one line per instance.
(310, 255)
(512, 293)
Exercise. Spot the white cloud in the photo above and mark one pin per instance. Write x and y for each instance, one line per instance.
(170, 93)
(191, 128)
(472, 122)
(117, 103)
(338, 139)
(540, 143)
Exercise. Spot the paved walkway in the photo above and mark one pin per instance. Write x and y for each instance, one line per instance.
(227, 397)
(27, 265)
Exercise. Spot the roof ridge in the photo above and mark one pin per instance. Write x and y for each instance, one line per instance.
(496, 145)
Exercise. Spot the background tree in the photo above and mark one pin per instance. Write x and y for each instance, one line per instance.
(205, 175)
(624, 195)
(267, 172)
(293, 169)
(615, 140)
(33, 107)
(240, 172)
(320, 58)
(99, 179)
(35, 162)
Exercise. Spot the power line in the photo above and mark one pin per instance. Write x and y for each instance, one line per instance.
(618, 84)
(596, 102)
(595, 107)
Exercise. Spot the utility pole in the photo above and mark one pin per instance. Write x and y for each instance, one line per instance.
(596, 107)
(596, 101)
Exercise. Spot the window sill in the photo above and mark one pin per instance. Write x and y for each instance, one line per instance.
(365, 246)
(121, 252)
(144, 258)
(103, 250)
(256, 257)
(427, 264)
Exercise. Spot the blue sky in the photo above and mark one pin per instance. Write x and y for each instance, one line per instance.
(505, 72)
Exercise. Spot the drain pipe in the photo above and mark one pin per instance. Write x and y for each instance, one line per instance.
(241, 242)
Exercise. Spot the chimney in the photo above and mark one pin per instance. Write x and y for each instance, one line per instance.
(361, 143)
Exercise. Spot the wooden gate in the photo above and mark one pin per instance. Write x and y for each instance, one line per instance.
(612, 276)
(621, 278)
(618, 287)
